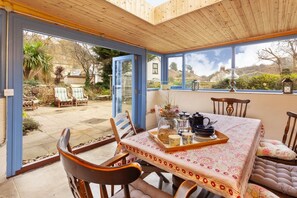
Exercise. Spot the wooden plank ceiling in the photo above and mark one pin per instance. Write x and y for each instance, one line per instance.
(176, 26)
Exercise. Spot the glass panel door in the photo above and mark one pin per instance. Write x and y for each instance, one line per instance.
(123, 84)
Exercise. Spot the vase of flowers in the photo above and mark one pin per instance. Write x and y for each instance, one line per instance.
(168, 122)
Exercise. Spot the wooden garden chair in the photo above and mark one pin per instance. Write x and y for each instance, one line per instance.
(62, 98)
(79, 98)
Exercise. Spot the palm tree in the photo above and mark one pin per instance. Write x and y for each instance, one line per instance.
(37, 63)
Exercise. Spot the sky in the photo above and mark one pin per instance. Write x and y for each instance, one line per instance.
(210, 61)
(156, 2)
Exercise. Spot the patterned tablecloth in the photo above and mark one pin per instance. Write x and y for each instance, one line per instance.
(223, 169)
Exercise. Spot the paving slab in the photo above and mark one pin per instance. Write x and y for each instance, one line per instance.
(85, 122)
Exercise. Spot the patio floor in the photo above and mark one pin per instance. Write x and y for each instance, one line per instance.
(86, 123)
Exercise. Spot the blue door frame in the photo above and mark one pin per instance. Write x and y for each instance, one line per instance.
(18, 24)
(117, 63)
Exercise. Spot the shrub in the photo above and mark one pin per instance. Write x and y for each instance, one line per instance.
(153, 84)
(260, 82)
(32, 82)
(223, 84)
(105, 92)
(29, 125)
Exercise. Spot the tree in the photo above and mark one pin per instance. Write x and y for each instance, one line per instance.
(281, 50)
(271, 55)
(37, 63)
(173, 66)
(58, 73)
(150, 57)
(105, 56)
(83, 55)
(189, 68)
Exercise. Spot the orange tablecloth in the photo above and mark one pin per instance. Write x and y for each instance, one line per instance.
(223, 169)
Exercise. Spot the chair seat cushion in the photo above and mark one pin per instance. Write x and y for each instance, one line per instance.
(141, 189)
(254, 190)
(275, 148)
(277, 176)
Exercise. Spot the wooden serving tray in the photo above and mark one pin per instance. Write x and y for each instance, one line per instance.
(221, 138)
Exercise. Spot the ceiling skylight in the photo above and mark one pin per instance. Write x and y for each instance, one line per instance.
(156, 2)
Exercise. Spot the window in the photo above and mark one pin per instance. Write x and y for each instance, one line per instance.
(211, 68)
(155, 68)
(175, 66)
(153, 71)
(263, 66)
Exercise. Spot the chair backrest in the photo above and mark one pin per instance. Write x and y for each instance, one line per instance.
(230, 106)
(80, 172)
(290, 135)
(78, 92)
(122, 126)
(157, 112)
(61, 93)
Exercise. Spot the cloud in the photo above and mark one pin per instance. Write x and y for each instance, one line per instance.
(247, 55)
(202, 65)
(205, 64)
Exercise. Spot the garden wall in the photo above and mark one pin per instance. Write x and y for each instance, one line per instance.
(271, 108)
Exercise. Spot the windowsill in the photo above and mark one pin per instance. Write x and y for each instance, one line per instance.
(237, 92)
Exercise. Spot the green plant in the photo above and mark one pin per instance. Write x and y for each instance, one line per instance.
(29, 125)
(25, 115)
(36, 61)
(32, 82)
(105, 92)
(223, 84)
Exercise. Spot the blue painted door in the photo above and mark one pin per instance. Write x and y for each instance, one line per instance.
(123, 84)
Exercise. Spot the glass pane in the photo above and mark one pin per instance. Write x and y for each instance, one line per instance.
(127, 86)
(81, 70)
(263, 66)
(175, 65)
(210, 68)
(153, 71)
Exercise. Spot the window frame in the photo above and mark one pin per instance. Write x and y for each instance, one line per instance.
(233, 63)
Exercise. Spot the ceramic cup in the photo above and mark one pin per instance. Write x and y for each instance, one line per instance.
(187, 138)
(174, 140)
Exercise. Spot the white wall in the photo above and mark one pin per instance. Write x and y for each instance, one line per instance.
(270, 108)
(3, 146)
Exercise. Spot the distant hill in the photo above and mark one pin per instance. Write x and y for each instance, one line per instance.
(225, 73)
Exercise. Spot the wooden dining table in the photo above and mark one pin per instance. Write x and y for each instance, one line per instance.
(223, 169)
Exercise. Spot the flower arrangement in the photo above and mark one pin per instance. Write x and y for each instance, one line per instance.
(169, 110)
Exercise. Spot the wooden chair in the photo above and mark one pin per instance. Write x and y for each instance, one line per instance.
(61, 97)
(79, 98)
(230, 106)
(81, 173)
(289, 139)
(123, 127)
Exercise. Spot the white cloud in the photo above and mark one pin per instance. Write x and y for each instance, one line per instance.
(203, 65)
(177, 60)
(248, 55)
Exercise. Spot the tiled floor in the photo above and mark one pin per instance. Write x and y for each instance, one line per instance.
(50, 181)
